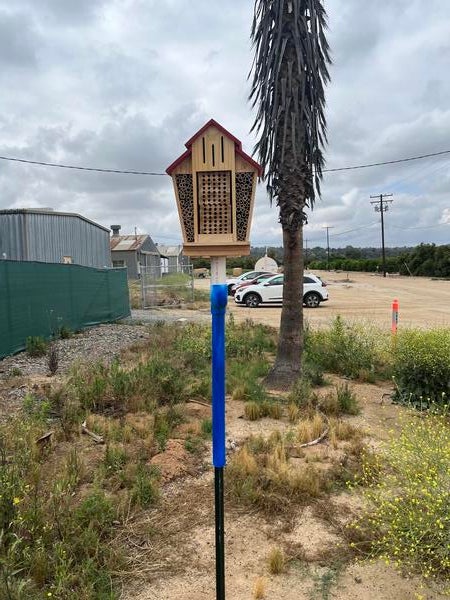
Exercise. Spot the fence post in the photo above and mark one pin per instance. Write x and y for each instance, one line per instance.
(8, 311)
(219, 298)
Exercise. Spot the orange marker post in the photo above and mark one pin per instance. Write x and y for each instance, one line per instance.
(394, 316)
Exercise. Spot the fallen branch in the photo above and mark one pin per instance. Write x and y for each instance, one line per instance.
(45, 439)
(198, 402)
(97, 438)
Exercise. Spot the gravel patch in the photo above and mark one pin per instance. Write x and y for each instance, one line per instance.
(169, 315)
(103, 342)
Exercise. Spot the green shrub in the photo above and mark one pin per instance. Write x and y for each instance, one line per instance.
(348, 349)
(36, 346)
(422, 367)
(347, 401)
(408, 498)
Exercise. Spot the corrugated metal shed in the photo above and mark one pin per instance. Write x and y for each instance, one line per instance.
(52, 236)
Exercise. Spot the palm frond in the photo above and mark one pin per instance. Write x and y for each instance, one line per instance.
(289, 74)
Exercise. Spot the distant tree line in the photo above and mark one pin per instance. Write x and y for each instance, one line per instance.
(426, 259)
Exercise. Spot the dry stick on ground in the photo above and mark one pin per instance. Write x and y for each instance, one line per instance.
(321, 437)
(198, 402)
(94, 436)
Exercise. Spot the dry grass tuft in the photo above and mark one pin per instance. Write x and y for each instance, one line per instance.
(310, 429)
(276, 561)
(259, 589)
(293, 412)
(252, 411)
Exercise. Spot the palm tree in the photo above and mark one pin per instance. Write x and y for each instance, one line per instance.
(289, 74)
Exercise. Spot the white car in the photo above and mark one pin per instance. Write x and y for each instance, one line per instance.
(242, 279)
(271, 292)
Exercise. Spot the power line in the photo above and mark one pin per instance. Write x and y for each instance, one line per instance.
(386, 162)
(424, 227)
(153, 173)
(61, 166)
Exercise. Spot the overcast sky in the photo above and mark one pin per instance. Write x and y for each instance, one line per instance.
(122, 84)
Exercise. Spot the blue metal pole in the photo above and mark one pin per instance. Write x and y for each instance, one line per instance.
(219, 297)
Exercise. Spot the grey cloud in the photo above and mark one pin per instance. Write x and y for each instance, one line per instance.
(125, 84)
(18, 42)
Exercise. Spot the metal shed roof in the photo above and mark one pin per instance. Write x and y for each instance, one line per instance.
(48, 211)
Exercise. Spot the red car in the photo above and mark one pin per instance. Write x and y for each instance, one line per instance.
(254, 281)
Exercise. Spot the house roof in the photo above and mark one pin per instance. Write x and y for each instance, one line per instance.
(126, 243)
(50, 212)
(213, 123)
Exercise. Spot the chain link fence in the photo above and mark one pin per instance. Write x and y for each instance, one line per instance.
(167, 286)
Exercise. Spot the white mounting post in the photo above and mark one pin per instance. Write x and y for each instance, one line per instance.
(218, 270)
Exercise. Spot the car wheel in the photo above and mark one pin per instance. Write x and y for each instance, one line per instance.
(230, 287)
(252, 300)
(312, 300)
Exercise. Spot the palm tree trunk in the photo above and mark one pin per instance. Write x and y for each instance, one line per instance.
(287, 367)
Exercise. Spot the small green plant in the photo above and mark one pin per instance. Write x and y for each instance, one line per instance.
(194, 444)
(347, 401)
(206, 428)
(65, 332)
(323, 584)
(36, 346)
(16, 372)
(145, 491)
(37, 409)
(276, 561)
(301, 393)
(162, 431)
(115, 458)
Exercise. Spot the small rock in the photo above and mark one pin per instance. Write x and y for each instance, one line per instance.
(358, 580)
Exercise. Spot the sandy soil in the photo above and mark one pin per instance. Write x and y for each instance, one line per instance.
(186, 562)
(367, 297)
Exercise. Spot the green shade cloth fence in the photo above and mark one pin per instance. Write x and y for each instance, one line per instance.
(37, 299)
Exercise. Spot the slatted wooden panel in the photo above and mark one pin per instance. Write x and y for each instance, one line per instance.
(214, 203)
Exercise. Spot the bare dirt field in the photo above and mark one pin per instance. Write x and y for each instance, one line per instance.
(366, 297)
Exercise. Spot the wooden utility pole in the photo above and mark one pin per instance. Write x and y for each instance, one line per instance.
(328, 227)
(381, 205)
